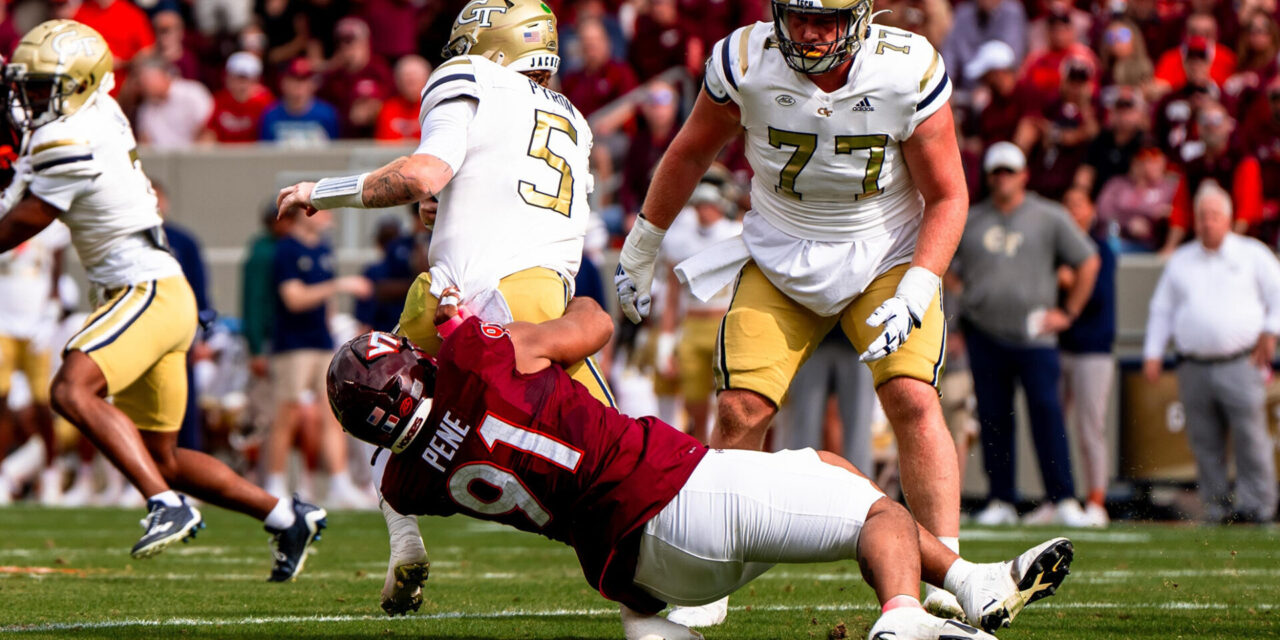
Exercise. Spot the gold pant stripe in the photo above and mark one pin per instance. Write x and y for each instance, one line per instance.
(114, 322)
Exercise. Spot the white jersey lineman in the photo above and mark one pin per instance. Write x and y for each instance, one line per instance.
(26, 282)
(86, 165)
(828, 167)
(518, 196)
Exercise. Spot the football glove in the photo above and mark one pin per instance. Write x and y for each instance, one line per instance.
(634, 277)
(22, 175)
(901, 313)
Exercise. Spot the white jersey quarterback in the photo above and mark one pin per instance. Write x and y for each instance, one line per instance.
(829, 166)
(518, 198)
(86, 164)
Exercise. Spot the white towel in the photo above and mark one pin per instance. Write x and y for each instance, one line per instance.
(714, 268)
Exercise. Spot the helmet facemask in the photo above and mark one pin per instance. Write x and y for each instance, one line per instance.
(850, 24)
(37, 99)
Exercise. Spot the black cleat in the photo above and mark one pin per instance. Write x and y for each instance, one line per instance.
(166, 525)
(289, 546)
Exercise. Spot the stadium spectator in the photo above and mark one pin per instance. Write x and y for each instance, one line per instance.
(995, 107)
(171, 44)
(286, 27)
(298, 118)
(218, 18)
(1261, 135)
(661, 42)
(1054, 11)
(1044, 72)
(657, 127)
(1125, 129)
(710, 20)
(601, 78)
(239, 105)
(398, 118)
(1199, 44)
(301, 345)
(357, 80)
(1256, 64)
(1088, 367)
(1156, 21)
(257, 312)
(1219, 301)
(1057, 135)
(124, 26)
(377, 312)
(584, 11)
(173, 109)
(1006, 266)
(1135, 206)
(1213, 158)
(1176, 112)
(832, 372)
(324, 16)
(980, 21)
(396, 22)
(1124, 57)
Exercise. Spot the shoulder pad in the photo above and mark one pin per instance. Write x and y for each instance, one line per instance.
(728, 64)
(62, 151)
(453, 79)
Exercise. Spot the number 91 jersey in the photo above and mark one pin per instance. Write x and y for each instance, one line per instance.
(829, 166)
(519, 198)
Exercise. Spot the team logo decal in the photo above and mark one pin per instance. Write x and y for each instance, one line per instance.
(406, 406)
(381, 344)
(476, 12)
(785, 100)
(824, 112)
(493, 330)
(67, 44)
(375, 416)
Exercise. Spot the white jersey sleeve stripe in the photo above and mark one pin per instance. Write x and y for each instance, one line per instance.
(943, 87)
(929, 73)
(725, 65)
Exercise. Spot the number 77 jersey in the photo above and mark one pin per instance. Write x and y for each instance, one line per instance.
(829, 166)
(518, 199)
(539, 453)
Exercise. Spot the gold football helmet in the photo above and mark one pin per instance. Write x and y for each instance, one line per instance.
(520, 34)
(849, 20)
(57, 69)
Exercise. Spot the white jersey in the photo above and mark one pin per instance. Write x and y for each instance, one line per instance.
(683, 241)
(519, 198)
(26, 282)
(86, 164)
(829, 166)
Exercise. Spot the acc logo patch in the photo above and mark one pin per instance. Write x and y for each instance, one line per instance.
(785, 100)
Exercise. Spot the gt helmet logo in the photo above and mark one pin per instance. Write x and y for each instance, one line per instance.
(479, 14)
(69, 43)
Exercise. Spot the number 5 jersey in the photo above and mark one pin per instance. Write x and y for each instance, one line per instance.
(518, 198)
(539, 453)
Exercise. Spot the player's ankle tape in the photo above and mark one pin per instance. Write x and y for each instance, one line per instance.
(900, 601)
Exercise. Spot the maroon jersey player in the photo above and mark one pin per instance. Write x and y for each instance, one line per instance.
(496, 430)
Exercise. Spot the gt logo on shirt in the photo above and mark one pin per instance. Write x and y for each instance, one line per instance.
(997, 240)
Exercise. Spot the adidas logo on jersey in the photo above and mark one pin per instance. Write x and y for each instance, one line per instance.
(864, 105)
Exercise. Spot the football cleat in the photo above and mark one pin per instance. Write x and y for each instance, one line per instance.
(993, 594)
(913, 623)
(402, 591)
(943, 604)
(707, 615)
(166, 525)
(289, 545)
(637, 626)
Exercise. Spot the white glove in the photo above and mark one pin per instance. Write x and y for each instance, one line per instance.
(902, 313)
(22, 175)
(634, 277)
(407, 570)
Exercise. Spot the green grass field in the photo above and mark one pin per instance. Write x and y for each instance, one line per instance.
(67, 573)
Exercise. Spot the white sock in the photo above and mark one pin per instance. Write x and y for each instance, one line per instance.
(276, 485)
(167, 498)
(952, 543)
(281, 516)
(340, 482)
(957, 574)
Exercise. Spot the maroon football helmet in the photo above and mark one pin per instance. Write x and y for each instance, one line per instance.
(380, 388)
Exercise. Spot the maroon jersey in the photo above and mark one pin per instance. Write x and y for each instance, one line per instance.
(537, 452)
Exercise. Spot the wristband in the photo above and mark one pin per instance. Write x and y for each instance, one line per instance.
(337, 193)
(644, 240)
(917, 288)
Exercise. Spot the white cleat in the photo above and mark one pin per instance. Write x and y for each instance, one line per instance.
(911, 623)
(707, 615)
(636, 626)
(943, 604)
(993, 594)
(406, 573)
(998, 513)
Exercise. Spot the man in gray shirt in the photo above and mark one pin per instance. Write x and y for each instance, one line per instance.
(1007, 269)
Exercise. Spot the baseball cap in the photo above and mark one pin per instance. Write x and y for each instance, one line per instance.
(1004, 155)
(991, 56)
(244, 64)
(705, 193)
(299, 68)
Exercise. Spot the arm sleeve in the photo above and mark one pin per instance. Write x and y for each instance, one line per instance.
(1160, 315)
(444, 131)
